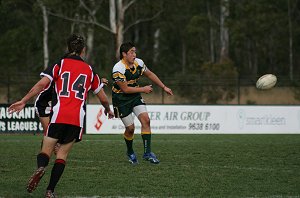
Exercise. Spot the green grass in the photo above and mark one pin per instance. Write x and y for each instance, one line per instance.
(191, 166)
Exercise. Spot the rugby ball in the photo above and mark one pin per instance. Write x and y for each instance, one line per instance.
(266, 81)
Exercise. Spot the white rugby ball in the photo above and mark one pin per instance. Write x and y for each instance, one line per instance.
(266, 81)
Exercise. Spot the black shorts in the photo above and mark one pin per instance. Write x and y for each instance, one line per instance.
(65, 133)
(125, 110)
(43, 109)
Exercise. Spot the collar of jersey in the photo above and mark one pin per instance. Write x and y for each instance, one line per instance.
(75, 57)
(127, 67)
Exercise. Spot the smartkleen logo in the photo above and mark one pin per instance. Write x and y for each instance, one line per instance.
(264, 120)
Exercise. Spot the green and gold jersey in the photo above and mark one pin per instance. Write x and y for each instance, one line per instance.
(123, 73)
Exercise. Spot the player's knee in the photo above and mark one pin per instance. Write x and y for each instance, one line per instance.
(62, 155)
(145, 121)
(130, 130)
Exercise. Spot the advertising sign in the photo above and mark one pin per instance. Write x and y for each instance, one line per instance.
(24, 122)
(204, 119)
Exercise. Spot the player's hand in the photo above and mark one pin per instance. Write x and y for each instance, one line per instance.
(104, 81)
(148, 89)
(168, 91)
(109, 113)
(16, 107)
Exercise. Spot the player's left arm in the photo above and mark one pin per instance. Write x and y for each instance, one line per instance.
(154, 78)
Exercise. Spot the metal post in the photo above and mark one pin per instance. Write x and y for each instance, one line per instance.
(8, 88)
(238, 87)
(162, 96)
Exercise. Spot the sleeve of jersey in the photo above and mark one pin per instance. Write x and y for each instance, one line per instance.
(50, 72)
(118, 76)
(96, 84)
(142, 65)
(144, 68)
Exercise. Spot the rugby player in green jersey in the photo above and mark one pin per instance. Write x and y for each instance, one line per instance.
(127, 99)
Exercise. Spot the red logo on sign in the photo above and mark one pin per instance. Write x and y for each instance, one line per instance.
(99, 121)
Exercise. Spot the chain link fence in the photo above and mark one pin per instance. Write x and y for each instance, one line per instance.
(192, 90)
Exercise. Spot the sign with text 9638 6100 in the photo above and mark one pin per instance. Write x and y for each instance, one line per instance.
(204, 119)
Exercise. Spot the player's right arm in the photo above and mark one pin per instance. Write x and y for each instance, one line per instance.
(97, 87)
(120, 79)
(36, 89)
(104, 101)
(129, 90)
(104, 81)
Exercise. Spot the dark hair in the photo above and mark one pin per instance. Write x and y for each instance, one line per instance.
(75, 44)
(125, 47)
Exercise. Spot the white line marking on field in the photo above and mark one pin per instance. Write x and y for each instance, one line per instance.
(244, 168)
(276, 196)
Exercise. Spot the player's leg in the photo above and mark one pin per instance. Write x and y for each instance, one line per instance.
(125, 113)
(48, 146)
(145, 131)
(44, 122)
(43, 111)
(128, 138)
(68, 135)
(42, 162)
(141, 112)
(59, 166)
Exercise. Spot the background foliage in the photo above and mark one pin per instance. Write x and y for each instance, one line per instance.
(180, 38)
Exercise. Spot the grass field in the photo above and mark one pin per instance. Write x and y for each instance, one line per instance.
(191, 166)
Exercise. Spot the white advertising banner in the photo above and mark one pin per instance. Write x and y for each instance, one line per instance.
(204, 119)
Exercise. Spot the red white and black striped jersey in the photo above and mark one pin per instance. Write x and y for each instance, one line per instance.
(43, 101)
(72, 78)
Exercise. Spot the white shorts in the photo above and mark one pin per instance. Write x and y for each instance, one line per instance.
(137, 110)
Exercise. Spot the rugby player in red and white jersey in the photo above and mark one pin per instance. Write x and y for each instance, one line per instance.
(43, 107)
(72, 79)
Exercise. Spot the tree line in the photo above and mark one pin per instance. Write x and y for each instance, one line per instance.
(183, 41)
